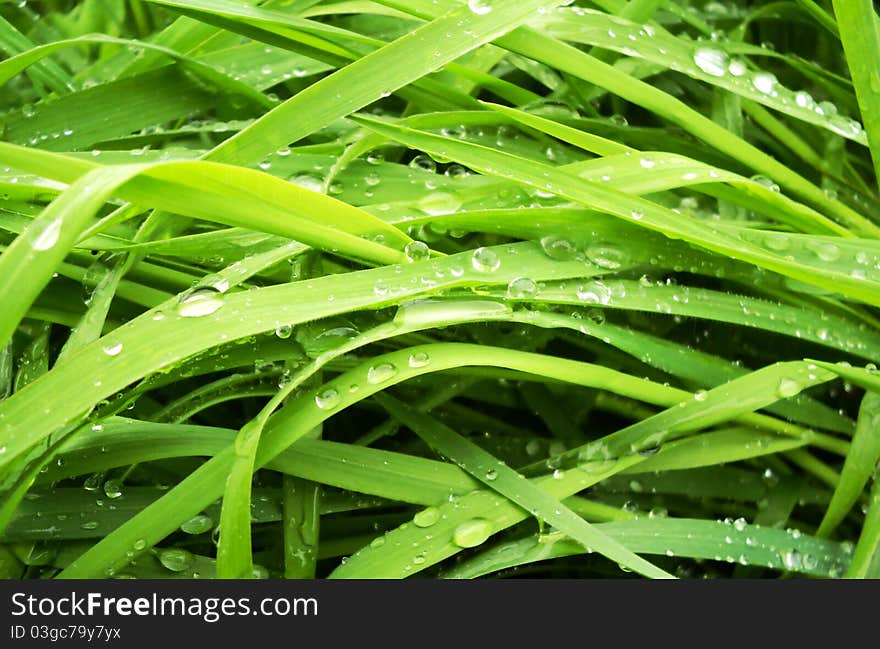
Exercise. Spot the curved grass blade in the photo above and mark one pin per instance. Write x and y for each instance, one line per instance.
(860, 464)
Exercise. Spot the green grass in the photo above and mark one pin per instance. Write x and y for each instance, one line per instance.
(430, 289)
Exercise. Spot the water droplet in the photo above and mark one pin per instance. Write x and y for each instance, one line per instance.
(472, 533)
(417, 251)
(764, 82)
(647, 162)
(197, 524)
(378, 542)
(283, 331)
(711, 61)
(479, 7)
(787, 388)
(606, 255)
(48, 236)
(423, 162)
(198, 302)
(140, 544)
(418, 359)
(380, 373)
(309, 181)
(792, 560)
(427, 517)
(113, 488)
(737, 68)
(825, 250)
(176, 559)
(491, 474)
(437, 203)
(93, 482)
(740, 524)
(701, 395)
(112, 348)
(804, 99)
(522, 288)
(594, 293)
(89, 525)
(327, 399)
(485, 260)
(777, 242)
(558, 248)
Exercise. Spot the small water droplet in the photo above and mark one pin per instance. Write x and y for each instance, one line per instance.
(283, 331)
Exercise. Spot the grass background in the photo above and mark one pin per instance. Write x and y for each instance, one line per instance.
(439, 290)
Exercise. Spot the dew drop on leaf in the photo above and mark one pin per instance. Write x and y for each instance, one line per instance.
(198, 302)
(472, 533)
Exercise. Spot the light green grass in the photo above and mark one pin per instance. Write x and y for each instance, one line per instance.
(438, 289)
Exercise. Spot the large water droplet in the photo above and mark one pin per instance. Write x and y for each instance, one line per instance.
(417, 251)
(113, 488)
(380, 373)
(485, 260)
(594, 293)
(437, 203)
(522, 288)
(606, 255)
(426, 517)
(558, 248)
(327, 399)
(176, 559)
(479, 7)
(424, 163)
(111, 348)
(711, 61)
(472, 533)
(197, 524)
(787, 388)
(48, 236)
(764, 82)
(419, 359)
(198, 302)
